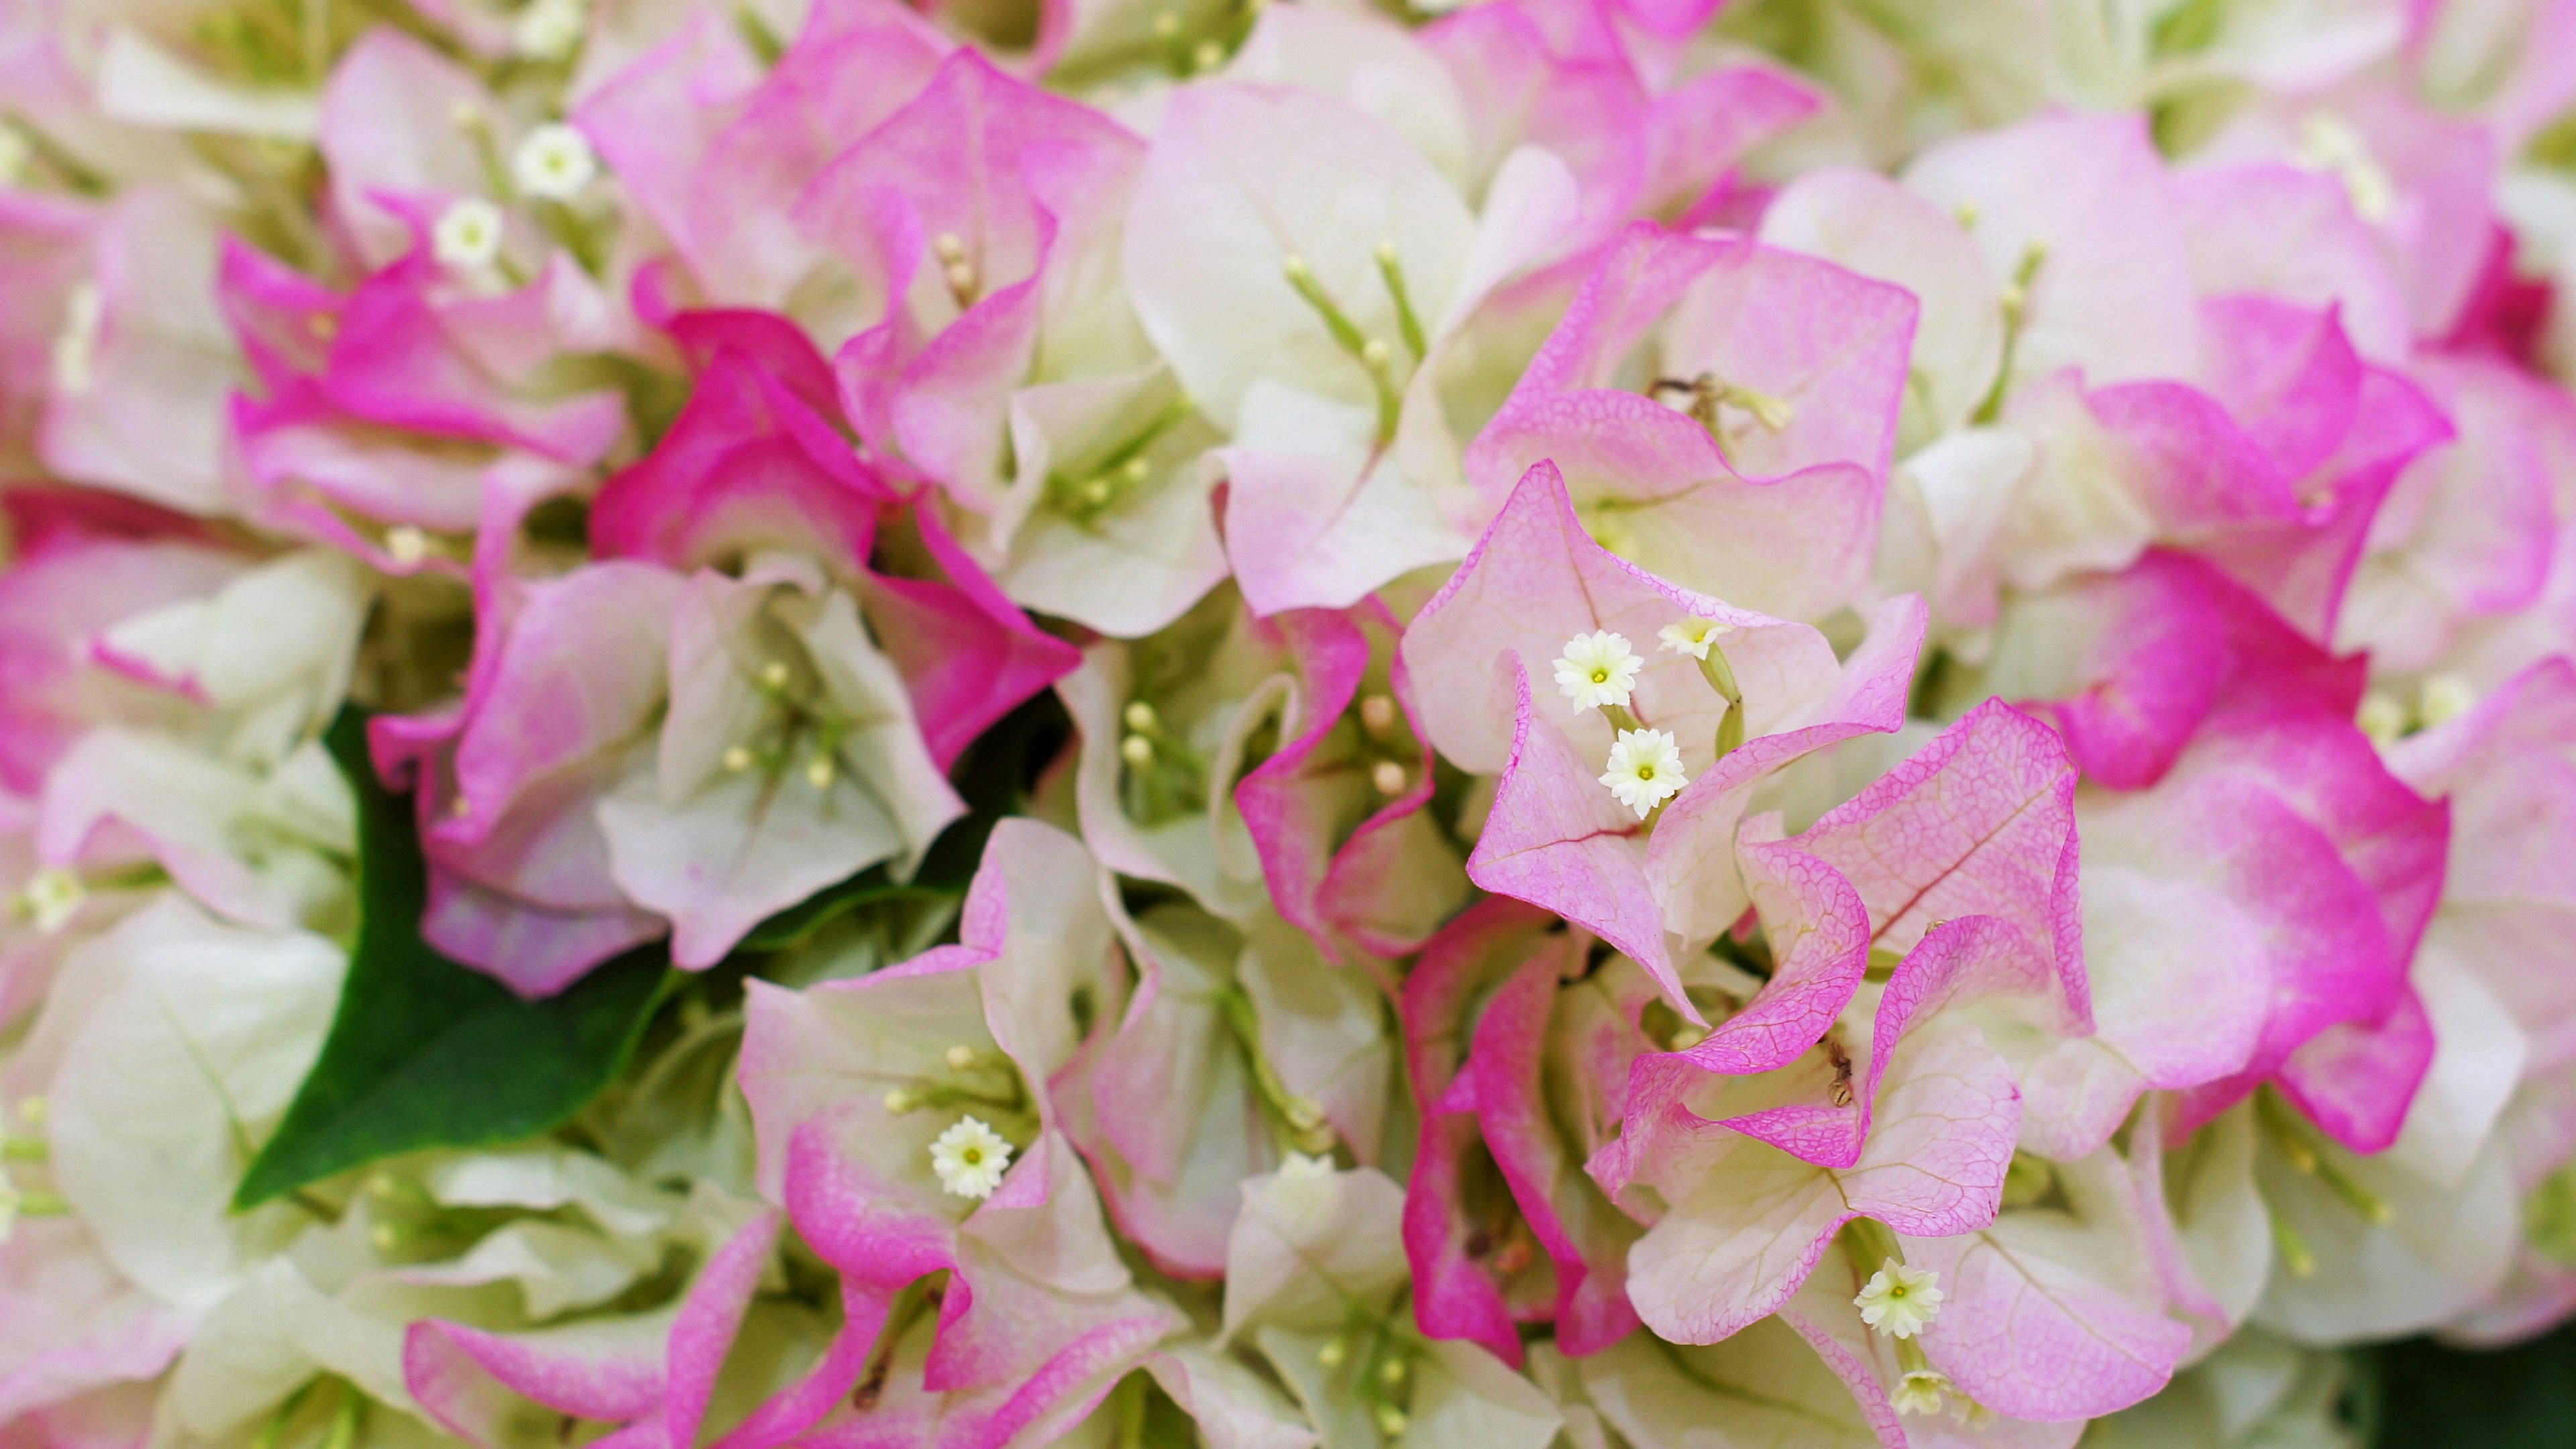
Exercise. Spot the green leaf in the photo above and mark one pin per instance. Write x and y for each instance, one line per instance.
(427, 1053)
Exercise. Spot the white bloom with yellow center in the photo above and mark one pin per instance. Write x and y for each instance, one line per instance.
(1694, 637)
(1645, 770)
(49, 898)
(970, 1158)
(1597, 669)
(554, 162)
(467, 234)
(1900, 1301)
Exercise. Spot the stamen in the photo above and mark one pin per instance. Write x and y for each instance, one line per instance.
(1298, 1119)
(955, 267)
(75, 356)
(1390, 402)
(1084, 497)
(1390, 268)
(1390, 778)
(737, 758)
(2014, 298)
(757, 34)
(2296, 1255)
(406, 545)
(1377, 715)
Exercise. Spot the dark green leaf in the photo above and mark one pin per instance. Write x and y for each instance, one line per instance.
(424, 1052)
(2430, 1396)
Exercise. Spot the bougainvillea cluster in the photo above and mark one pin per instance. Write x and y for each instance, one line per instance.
(817, 724)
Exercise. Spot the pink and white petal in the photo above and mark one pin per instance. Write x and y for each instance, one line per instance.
(1979, 822)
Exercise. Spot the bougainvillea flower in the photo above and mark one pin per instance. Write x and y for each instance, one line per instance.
(1039, 1318)
(1752, 464)
(1269, 293)
(1314, 1269)
(1919, 1140)
(1556, 837)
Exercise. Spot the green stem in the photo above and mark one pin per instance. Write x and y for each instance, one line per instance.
(1390, 267)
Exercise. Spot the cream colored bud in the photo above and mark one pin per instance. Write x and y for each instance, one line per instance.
(1389, 778)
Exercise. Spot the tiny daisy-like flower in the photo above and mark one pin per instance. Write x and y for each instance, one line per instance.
(1597, 669)
(1900, 1301)
(1919, 1392)
(1645, 770)
(467, 234)
(554, 162)
(970, 1158)
(1694, 637)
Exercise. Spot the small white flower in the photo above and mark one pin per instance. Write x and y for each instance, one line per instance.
(1900, 1301)
(1693, 637)
(970, 1158)
(49, 898)
(548, 29)
(1597, 669)
(1919, 1392)
(1645, 770)
(554, 162)
(467, 234)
